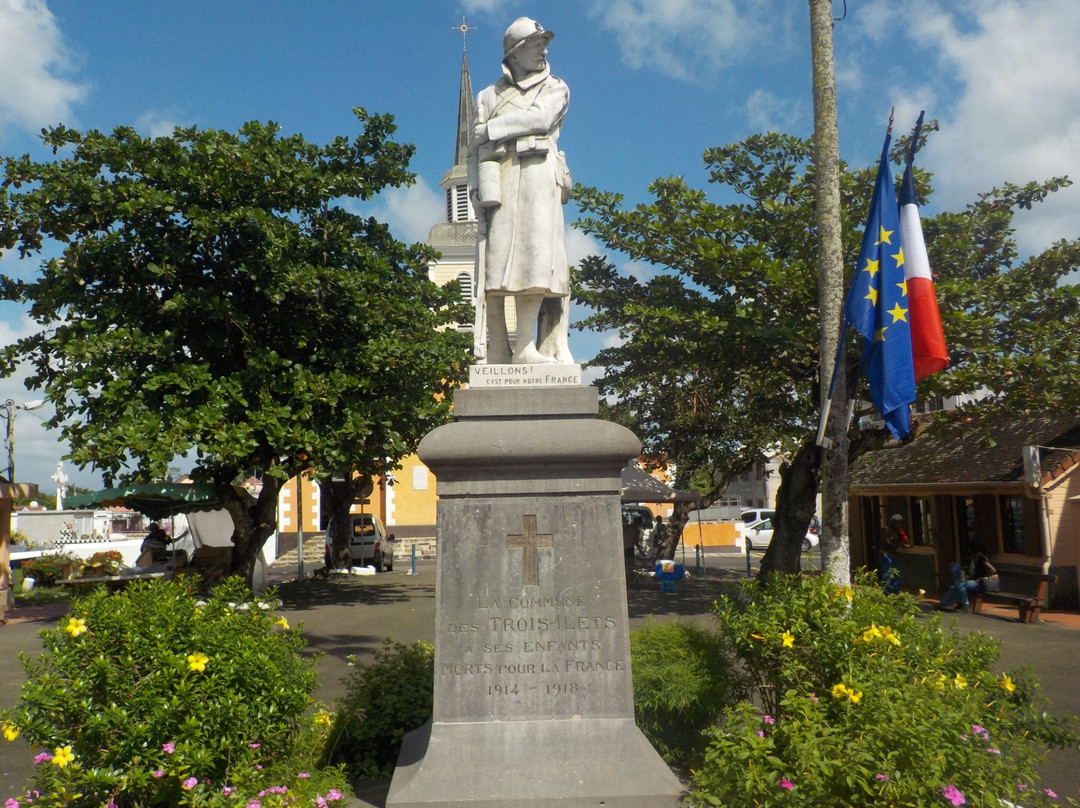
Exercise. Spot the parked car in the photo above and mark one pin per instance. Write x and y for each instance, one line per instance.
(758, 536)
(752, 515)
(369, 543)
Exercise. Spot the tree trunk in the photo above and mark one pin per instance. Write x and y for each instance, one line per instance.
(796, 502)
(673, 530)
(339, 497)
(251, 526)
(834, 472)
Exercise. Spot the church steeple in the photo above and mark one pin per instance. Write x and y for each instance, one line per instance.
(455, 182)
(464, 113)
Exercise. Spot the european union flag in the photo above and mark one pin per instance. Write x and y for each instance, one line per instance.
(877, 306)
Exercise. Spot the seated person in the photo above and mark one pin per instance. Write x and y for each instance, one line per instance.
(981, 576)
(156, 543)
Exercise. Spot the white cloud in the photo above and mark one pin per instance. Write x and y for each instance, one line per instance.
(1017, 117)
(688, 40)
(34, 62)
(158, 123)
(409, 212)
(487, 6)
(580, 245)
(767, 112)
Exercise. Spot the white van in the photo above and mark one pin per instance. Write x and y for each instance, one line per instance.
(369, 543)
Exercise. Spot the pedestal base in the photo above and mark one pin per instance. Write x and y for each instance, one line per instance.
(579, 763)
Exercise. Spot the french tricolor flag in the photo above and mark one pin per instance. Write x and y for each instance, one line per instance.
(927, 338)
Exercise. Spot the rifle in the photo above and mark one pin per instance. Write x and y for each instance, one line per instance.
(479, 283)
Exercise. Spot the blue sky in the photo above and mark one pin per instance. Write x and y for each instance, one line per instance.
(653, 84)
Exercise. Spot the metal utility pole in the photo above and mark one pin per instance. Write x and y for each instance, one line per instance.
(834, 472)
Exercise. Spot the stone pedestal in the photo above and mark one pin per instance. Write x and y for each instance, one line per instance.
(533, 699)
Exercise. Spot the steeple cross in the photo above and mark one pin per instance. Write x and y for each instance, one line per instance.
(530, 542)
(464, 28)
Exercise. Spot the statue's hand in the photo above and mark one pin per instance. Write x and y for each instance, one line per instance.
(480, 133)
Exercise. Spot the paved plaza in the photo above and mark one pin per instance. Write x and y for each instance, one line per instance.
(351, 616)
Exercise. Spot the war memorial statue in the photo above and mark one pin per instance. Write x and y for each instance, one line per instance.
(533, 700)
(520, 182)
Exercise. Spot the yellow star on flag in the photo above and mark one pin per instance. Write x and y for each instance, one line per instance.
(879, 334)
(898, 313)
(899, 256)
(883, 235)
(903, 288)
(871, 295)
(872, 267)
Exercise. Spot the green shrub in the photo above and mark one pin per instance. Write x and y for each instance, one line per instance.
(153, 697)
(851, 697)
(681, 682)
(382, 702)
(47, 569)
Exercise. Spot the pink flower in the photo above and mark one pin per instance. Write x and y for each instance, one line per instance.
(227, 790)
(785, 783)
(254, 745)
(881, 777)
(1021, 787)
(320, 802)
(158, 774)
(303, 775)
(258, 767)
(814, 698)
(11, 803)
(333, 794)
(254, 804)
(980, 731)
(953, 795)
(190, 783)
(41, 758)
(993, 751)
(1050, 793)
(768, 719)
(168, 748)
(761, 733)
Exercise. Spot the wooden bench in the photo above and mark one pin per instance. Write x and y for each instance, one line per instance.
(1025, 589)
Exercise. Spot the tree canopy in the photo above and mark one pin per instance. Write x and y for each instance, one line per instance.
(216, 297)
(717, 360)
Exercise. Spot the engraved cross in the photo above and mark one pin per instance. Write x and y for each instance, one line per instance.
(530, 541)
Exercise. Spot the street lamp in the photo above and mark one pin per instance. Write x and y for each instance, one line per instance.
(11, 406)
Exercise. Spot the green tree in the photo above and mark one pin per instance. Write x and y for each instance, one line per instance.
(214, 297)
(718, 363)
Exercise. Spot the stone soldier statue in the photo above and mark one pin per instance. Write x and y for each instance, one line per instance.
(521, 182)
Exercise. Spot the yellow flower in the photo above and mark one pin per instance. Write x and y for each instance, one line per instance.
(960, 682)
(788, 639)
(758, 637)
(281, 621)
(323, 717)
(940, 683)
(75, 627)
(197, 662)
(870, 634)
(11, 732)
(1007, 684)
(62, 756)
(841, 690)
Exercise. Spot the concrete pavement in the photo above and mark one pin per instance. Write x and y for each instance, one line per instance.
(352, 616)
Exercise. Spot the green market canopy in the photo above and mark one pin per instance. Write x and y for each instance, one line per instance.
(156, 500)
